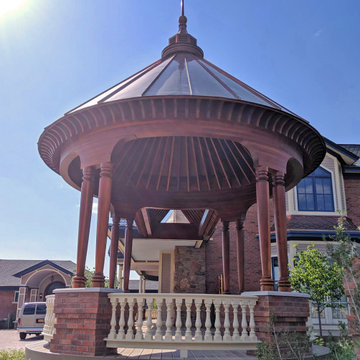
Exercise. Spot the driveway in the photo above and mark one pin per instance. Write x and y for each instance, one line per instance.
(9, 339)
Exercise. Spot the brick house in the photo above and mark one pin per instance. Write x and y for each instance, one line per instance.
(30, 280)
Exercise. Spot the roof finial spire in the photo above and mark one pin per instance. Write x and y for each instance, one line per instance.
(182, 19)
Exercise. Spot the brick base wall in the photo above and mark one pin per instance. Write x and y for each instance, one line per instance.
(6, 303)
(82, 322)
(352, 192)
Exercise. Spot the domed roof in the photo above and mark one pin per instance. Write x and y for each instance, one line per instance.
(182, 71)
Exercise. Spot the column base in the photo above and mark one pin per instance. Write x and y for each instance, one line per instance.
(284, 285)
(98, 280)
(266, 284)
(78, 281)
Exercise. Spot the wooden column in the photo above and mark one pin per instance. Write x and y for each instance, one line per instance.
(280, 227)
(104, 196)
(87, 192)
(128, 251)
(263, 213)
(226, 256)
(114, 249)
(240, 253)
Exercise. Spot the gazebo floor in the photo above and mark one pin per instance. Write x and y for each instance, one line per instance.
(38, 351)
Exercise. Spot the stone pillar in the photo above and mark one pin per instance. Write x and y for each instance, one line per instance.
(114, 249)
(87, 192)
(263, 213)
(240, 254)
(128, 251)
(226, 256)
(104, 197)
(280, 227)
(82, 322)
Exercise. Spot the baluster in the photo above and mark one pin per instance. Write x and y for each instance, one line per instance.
(169, 306)
(178, 319)
(148, 334)
(244, 333)
(112, 333)
(198, 335)
(130, 333)
(227, 336)
(217, 335)
(121, 333)
(158, 331)
(235, 335)
(252, 321)
(208, 335)
(188, 303)
(139, 323)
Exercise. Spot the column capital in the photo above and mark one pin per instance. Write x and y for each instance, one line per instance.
(278, 178)
(225, 225)
(88, 173)
(106, 169)
(262, 173)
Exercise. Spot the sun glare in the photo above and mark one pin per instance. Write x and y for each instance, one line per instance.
(7, 6)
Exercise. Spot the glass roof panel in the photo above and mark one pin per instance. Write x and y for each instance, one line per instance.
(204, 84)
(239, 90)
(137, 88)
(172, 81)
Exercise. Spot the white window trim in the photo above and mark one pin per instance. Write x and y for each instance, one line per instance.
(18, 294)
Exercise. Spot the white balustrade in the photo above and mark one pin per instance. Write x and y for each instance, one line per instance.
(183, 321)
(50, 320)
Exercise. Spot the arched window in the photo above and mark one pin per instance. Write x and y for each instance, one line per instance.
(315, 193)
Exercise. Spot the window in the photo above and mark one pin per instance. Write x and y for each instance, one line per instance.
(29, 309)
(342, 311)
(41, 309)
(16, 296)
(315, 193)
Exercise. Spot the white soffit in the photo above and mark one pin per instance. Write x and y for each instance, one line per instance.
(149, 249)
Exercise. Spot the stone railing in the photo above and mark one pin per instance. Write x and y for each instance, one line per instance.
(182, 321)
(50, 320)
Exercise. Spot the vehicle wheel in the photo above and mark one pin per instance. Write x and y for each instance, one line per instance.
(22, 336)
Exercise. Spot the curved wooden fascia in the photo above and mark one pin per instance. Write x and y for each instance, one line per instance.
(186, 109)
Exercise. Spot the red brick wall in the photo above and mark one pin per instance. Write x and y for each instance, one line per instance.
(82, 322)
(352, 192)
(189, 270)
(6, 303)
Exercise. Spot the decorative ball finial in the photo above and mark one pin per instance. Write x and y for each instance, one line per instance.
(182, 19)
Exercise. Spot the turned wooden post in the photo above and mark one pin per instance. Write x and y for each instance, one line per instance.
(280, 227)
(128, 250)
(87, 192)
(114, 249)
(263, 214)
(226, 256)
(104, 196)
(240, 253)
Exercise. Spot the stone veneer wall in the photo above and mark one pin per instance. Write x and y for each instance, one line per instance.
(190, 270)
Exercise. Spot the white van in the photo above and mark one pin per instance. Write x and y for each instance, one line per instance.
(31, 319)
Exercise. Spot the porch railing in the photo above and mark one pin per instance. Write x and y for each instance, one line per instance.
(188, 321)
(50, 320)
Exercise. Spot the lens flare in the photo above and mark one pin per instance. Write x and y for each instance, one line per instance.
(7, 6)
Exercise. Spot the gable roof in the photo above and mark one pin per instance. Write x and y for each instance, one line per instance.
(12, 270)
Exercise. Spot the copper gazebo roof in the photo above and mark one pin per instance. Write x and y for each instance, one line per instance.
(181, 128)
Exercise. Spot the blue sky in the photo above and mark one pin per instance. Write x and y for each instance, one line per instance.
(55, 54)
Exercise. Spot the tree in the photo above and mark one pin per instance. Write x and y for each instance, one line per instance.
(319, 277)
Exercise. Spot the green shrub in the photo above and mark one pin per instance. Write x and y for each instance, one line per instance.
(12, 355)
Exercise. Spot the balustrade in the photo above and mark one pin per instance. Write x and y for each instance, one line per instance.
(50, 320)
(182, 320)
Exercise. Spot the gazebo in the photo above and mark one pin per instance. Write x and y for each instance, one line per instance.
(181, 134)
